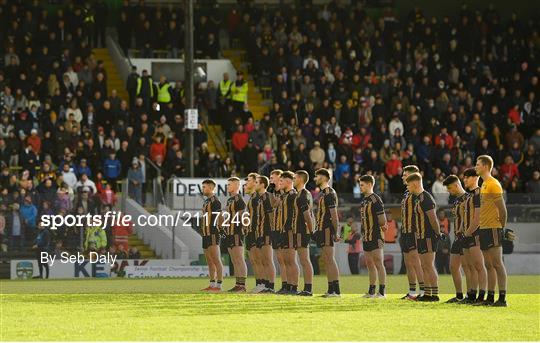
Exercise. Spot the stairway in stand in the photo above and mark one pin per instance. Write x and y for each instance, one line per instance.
(146, 252)
(114, 81)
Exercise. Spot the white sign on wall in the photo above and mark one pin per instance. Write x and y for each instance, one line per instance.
(192, 118)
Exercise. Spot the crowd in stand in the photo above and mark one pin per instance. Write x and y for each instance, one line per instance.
(65, 139)
(370, 95)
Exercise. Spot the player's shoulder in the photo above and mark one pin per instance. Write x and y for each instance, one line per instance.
(375, 198)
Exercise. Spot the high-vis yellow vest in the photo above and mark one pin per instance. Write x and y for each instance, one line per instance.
(240, 94)
(163, 94)
(224, 88)
(139, 85)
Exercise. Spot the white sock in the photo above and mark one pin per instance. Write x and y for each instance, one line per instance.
(218, 285)
(212, 284)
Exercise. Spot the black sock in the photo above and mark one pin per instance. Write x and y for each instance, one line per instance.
(308, 287)
(330, 287)
(283, 284)
(481, 295)
(381, 289)
(491, 296)
(371, 289)
(412, 288)
(471, 294)
(271, 285)
(502, 296)
(257, 282)
(294, 288)
(266, 283)
(422, 286)
(435, 292)
(459, 295)
(288, 287)
(336, 287)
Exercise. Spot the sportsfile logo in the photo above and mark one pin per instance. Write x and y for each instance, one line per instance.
(114, 218)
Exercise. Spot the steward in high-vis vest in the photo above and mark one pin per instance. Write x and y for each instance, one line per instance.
(224, 92)
(145, 88)
(239, 91)
(164, 94)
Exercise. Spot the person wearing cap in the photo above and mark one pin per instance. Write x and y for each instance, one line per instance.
(34, 141)
(135, 179)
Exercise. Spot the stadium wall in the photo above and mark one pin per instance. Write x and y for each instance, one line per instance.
(158, 238)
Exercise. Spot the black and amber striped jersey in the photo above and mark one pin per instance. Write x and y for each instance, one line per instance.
(407, 213)
(423, 203)
(302, 203)
(327, 201)
(265, 214)
(371, 207)
(253, 210)
(287, 207)
(233, 223)
(276, 224)
(459, 213)
(211, 208)
(473, 204)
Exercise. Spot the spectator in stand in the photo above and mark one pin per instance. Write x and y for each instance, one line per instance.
(135, 179)
(239, 142)
(112, 169)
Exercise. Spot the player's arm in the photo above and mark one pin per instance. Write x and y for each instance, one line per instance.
(331, 204)
(434, 221)
(335, 221)
(501, 207)
(475, 221)
(306, 211)
(381, 215)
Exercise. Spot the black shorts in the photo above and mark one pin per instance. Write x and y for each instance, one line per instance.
(264, 240)
(325, 237)
(407, 241)
(236, 240)
(490, 238)
(301, 240)
(457, 247)
(251, 241)
(428, 244)
(213, 239)
(472, 241)
(287, 240)
(276, 239)
(374, 244)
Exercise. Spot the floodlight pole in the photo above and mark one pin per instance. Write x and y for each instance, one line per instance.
(188, 73)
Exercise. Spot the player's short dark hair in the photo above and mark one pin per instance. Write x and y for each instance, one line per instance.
(277, 172)
(233, 179)
(304, 174)
(264, 180)
(450, 179)
(411, 168)
(486, 160)
(367, 178)
(470, 172)
(287, 175)
(209, 182)
(414, 177)
(324, 172)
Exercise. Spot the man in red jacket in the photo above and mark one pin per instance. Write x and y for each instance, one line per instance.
(239, 142)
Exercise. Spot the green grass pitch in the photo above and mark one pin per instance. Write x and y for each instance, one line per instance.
(173, 309)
